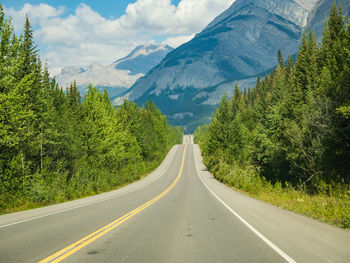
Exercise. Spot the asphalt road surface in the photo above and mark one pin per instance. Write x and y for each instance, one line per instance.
(179, 213)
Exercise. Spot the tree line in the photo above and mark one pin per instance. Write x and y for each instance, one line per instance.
(293, 128)
(54, 146)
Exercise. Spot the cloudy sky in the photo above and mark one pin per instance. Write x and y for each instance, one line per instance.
(78, 33)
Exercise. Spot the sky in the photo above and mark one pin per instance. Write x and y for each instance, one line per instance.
(78, 33)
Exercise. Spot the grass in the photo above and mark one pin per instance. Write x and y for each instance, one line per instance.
(332, 205)
(332, 210)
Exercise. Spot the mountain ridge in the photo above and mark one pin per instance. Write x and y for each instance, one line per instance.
(114, 78)
(239, 44)
(142, 59)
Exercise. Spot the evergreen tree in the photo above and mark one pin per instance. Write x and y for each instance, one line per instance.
(280, 59)
(237, 101)
(28, 51)
(300, 112)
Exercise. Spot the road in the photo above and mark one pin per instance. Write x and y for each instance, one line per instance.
(179, 213)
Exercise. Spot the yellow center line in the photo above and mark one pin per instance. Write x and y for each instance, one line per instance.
(71, 249)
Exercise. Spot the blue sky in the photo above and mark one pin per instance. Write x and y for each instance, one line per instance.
(78, 33)
(107, 8)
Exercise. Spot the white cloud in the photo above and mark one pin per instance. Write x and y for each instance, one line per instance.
(161, 17)
(85, 36)
(37, 14)
(178, 40)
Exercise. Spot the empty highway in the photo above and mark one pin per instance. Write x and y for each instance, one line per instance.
(179, 213)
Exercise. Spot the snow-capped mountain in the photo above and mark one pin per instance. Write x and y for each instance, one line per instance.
(115, 81)
(236, 46)
(142, 59)
(118, 76)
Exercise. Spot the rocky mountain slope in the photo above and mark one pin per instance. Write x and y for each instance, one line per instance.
(236, 46)
(118, 76)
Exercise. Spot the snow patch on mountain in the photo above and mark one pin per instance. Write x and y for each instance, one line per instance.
(143, 51)
(96, 75)
(142, 59)
(121, 74)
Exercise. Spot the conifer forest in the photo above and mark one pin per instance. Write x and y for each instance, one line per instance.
(56, 146)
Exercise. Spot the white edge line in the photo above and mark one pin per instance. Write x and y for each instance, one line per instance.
(261, 236)
(61, 211)
(81, 206)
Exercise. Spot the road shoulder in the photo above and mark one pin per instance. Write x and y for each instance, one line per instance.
(302, 238)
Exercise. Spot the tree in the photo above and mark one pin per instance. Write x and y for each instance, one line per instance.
(237, 101)
(280, 59)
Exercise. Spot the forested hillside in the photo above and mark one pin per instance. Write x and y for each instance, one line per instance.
(287, 140)
(53, 147)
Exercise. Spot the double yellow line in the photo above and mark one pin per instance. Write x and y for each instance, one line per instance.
(71, 249)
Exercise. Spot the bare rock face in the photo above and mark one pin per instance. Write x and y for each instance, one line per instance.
(236, 46)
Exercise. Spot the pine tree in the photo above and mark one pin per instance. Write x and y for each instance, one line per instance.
(237, 101)
(28, 51)
(336, 22)
(280, 59)
(73, 95)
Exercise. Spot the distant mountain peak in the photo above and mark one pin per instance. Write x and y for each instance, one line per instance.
(142, 59)
(95, 66)
(141, 51)
(72, 70)
(118, 76)
(144, 50)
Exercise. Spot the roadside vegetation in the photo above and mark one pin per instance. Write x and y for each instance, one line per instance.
(56, 147)
(287, 141)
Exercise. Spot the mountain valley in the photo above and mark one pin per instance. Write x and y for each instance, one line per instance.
(238, 45)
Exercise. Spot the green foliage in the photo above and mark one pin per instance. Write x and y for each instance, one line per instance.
(292, 131)
(53, 147)
(345, 111)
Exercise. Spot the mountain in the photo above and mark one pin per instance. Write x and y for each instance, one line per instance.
(117, 77)
(142, 59)
(236, 46)
(107, 78)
